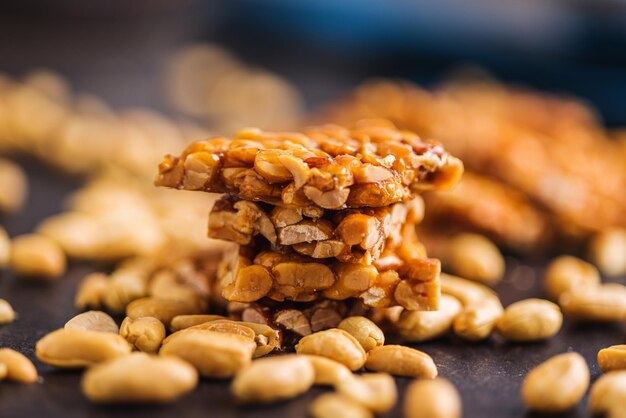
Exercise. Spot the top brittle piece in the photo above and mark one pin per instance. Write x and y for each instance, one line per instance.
(372, 165)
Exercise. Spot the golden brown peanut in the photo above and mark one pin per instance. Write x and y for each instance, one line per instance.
(185, 321)
(7, 314)
(75, 348)
(93, 321)
(328, 372)
(123, 287)
(432, 399)
(608, 395)
(162, 309)
(274, 379)
(13, 186)
(400, 360)
(38, 257)
(91, 291)
(612, 358)
(214, 354)
(603, 303)
(5, 248)
(607, 250)
(417, 326)
(145, 334)
(333, 405)
(475, 257)
(375, 391)
(18, 367)
(139, 377)
(530, 320)
(557, 384)
(567, 273)
(225, 326)
(365, 331)
(335, 344)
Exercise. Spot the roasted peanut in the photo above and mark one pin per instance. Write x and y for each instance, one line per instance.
(335, 344)
(5, 248)
(93, 321)
(162, 309)
(274, 379)
(608, 395)
(38, 257)
(365, 331)
(225, 326)
(432, 399)
(163, 285)
(475, 257)
(327, 371)
(332, 405)
(417, 326)
(567, 273)
(185, 321)
(145, 334)
(214, 354)
(74, 348)
(557, 384)
(607, 250)
(123, 287)
(91, 291)
(18, 367)
(606, 302)
(612, 358)
(352, 279)
(139, 377)
(400, 360)
(375, 391)
(530, 320)
(13, 186)
(7, 314)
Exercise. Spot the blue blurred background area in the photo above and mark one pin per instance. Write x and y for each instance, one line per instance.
(326, 47)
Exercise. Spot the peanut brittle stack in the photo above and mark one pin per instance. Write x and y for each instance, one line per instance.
(328, 214)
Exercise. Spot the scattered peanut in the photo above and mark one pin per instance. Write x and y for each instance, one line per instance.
(139, 377)
(162, 309)
(432, 399)
(606, 302)
(328, 372)
(185, 321)
(418, 326)
(557, 384)
(475, 257)
(365, 331)
(612, 358)
(74, 348)
(400, 360)
(13, 186)
(38, 257)
(93, 321)
(145, 334)
(333, 405)
(335, 344)
(375, 391)
(7, 314)
(607, 250)
(608, 395)
(567, 273)
(18, 367)
(214, 354)
(530, 320)
(5, 248)
(274, 379)
(91, 291)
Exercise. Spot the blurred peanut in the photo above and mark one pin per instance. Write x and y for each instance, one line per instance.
(367, 333)
(162, 309)
(333, 405)
(602, 303)
(91, 291)
(328, 372)
(145, 334)
(607, 250)
(418, 326)
(335, 344)
(5, 248)
(557, 384)
(436, 398)
(13, 186)
(530, 320)
(274, 379)
(185, 321)
(18, 367)
(475, 257)
(400, 360)
(567, 273)
(608, 395)
(35, 256)
(376, 391)
(7, 314)
(612, 358)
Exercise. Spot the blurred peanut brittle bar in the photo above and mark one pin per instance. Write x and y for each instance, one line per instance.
(372, 165)
(350, 235)
(247, 275)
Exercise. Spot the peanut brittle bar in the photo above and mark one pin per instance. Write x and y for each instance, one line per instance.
(372, 165)
(349, 235)
(247, 275)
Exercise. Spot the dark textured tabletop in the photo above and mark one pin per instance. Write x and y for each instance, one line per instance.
(488, 374)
